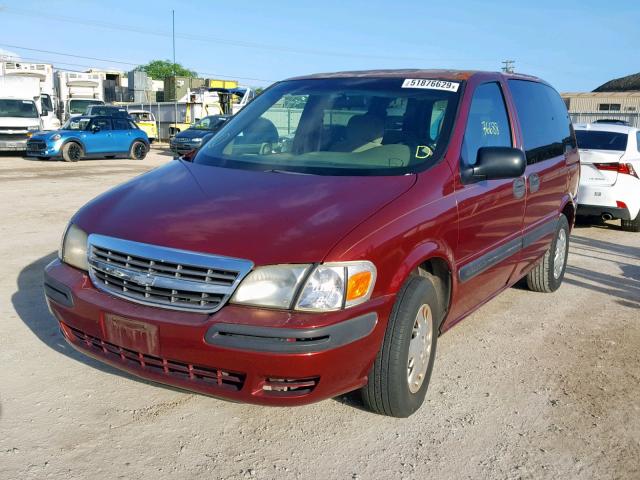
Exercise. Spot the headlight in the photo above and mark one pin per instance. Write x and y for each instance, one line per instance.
(272, 286)
(196, 140)
(73, 249)
(330, 286)
(56, 137)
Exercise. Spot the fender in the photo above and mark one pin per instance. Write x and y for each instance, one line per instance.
(421, 253)
(75, 140)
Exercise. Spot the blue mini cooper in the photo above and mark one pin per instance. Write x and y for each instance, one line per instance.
(91, 137)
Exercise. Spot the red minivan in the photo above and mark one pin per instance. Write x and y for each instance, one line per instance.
(325, 237)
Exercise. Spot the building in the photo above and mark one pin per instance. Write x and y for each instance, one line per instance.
(586, 107)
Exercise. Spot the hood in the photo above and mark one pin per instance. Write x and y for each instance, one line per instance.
(42, 135)
(193, 133)
(265, 217)
(19, 122)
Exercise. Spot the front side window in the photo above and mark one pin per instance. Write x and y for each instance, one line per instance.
(347, 126)
(77, 123)
(544, 120)
(488, 122)
(103, 123)
(600, 140)
(18, 108)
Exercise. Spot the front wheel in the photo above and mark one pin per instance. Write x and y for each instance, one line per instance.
(400, 375)
(547, 276)
(71, 152)
(632, 225)
(138, 150)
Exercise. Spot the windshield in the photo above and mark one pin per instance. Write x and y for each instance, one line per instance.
(599, 140)
(18, 108)
(80, 106)
(77, 123)
(347, 126)
(207, 123)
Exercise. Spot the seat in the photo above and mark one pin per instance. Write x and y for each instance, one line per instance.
(362, 133)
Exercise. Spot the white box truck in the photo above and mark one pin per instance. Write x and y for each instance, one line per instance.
(19, 114)
(43, 72)
(76, 91)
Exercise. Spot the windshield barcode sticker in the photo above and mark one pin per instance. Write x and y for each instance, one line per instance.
(431, 84)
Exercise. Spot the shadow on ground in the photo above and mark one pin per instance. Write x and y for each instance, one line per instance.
(30, 305)
(624, 286)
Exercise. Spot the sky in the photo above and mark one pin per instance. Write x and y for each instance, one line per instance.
(575, 45)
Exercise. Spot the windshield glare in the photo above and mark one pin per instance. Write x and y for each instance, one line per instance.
(351, 126)
(207, 123)
(600, 140)
(77, 123)
(80, 106)
(18, 108)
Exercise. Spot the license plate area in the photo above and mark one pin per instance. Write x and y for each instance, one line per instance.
(132, 334)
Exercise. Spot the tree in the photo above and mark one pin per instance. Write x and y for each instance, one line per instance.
(161, 69)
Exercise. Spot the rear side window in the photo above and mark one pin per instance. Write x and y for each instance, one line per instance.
(600, 140)
(488, 122)
(545, 123)
(638, 141)
(120, 124)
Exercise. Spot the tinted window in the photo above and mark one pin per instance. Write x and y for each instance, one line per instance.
(120, 124)
(103, 123)
(488, 122)
(599, 140)
(545, 123)
(638, 141)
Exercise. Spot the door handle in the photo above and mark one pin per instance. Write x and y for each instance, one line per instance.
(534, 182)
(519, 187)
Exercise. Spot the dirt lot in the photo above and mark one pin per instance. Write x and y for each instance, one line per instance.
(530, 386)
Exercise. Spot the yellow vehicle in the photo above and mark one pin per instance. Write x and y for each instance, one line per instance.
(147, 123)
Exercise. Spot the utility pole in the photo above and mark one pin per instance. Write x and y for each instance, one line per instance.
(508, 66)
(173, 68)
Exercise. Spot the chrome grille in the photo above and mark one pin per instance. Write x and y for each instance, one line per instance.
(164, 277)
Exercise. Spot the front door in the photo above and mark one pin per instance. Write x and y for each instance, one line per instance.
(101, 141)
(490, 212)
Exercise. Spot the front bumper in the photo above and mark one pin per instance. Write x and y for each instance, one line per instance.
(13, 145)
(181, 148)
(252, 355)
(42, 149)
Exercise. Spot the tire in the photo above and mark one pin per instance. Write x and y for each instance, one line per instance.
(72, 152)
(138, 150)
(547, 276)
(631, 225)
(388, 391)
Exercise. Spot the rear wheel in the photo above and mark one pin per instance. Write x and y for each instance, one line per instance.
(138, 150)
(632, 225)
(72, 152)
(547, 276)
(400, 375)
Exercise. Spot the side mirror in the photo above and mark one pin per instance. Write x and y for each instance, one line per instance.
(95, 128)
(495, 163)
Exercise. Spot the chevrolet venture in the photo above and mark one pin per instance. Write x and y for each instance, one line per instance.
(325, 237)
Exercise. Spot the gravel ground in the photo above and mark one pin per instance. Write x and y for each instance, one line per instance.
(530, 386)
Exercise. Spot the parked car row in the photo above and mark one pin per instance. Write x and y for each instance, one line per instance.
(282, 266)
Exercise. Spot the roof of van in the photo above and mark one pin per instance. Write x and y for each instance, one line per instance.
(456, 75)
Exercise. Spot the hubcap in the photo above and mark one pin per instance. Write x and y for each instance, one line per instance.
(139, 150)
(560, 254)
(74, 152)
(419, 348)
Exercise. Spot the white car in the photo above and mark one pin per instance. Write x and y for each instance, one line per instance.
(609, 178)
